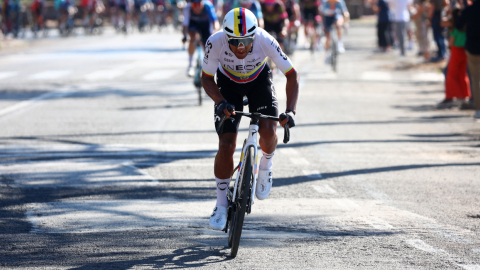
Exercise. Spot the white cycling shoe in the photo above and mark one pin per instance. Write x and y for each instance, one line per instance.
(264, 184)
(218, 219)
(190, 71)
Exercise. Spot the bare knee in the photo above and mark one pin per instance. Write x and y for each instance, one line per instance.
(227, 146)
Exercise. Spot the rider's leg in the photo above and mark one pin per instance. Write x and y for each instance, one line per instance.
(224, 165)
(191, 46)
(268, 142)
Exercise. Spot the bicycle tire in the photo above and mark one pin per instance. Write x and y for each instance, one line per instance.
(334, 55)
(242, 201)
(199, 89)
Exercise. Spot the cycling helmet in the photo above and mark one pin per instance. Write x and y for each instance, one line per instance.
(245, 2)
(240, 22)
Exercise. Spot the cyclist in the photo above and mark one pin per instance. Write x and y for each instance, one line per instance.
(334, 13)
(238, 57)
(199, 18)
(275, 19)
(37, 9)
(294, 16)
(311, 15)
(252, 5)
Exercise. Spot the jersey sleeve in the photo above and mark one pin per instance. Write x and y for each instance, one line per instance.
(186, 15)
(273, 50)
(211, 58)
(211, 11)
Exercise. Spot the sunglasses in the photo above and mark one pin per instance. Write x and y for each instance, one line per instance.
(237, 41)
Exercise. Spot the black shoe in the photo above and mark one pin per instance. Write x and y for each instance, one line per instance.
(446, 104)
(467, 105)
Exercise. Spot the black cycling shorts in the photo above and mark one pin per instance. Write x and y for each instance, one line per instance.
(203, 28)
(275, 29)
(260, 93)
(309, 15)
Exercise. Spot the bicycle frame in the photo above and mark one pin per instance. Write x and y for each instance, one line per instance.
(251, 141)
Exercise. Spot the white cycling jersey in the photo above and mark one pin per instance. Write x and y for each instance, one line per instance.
(219, 56)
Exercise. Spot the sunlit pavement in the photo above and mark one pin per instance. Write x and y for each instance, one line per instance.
(106, 161)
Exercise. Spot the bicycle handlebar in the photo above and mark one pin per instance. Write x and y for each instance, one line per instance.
(286, 133)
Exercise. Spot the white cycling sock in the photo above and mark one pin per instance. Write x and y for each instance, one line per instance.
(222, 186)
(190, 60)
(266, 162)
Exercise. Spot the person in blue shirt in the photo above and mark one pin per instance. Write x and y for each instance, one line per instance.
(199, 19)
(334, 13)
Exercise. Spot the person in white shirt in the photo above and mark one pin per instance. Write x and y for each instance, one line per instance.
(401, 17)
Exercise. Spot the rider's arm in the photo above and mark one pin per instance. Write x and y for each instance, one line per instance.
(210, 63)
(212, 16)
(272, 49)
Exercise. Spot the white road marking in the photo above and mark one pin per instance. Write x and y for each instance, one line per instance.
(32, 101)
(288, 151)
(107, 74)
(379, 224)
(4, 75)
(159, 75)
(428, 77)
(144, 173)
(49, 75)
(325, 189)
(299, 161)
(376, 76)
(346, 204)
(312, 174)
(419, 244)
(470, 266)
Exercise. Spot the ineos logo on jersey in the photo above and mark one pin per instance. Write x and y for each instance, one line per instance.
(228, 60)
(279, 50)
(253, 60)
(243, 68)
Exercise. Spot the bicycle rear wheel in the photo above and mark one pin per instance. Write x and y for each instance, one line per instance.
(243, 198)
(334, 55)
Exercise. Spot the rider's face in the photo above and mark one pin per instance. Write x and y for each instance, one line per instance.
(241, 51)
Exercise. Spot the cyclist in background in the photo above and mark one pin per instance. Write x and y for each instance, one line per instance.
(199, 19)
(252, 5)
(238, 56)
(37, 8)
(341, 19)
(334, 15)
(294, 16)
(275, 18)
(311, 15)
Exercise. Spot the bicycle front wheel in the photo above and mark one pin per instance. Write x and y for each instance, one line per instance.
(243, 198)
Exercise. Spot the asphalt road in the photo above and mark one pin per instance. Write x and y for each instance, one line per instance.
(106, 161)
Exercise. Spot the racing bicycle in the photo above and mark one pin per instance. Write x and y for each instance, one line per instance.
(240, 196)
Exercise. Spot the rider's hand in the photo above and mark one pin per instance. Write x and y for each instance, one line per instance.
(224, 108)
(184, 39)
(288, 118)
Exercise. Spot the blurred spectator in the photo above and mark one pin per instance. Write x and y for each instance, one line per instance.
(470, 18)
(420, 16)
(384, 25)
(457, 82)
(401, 17)
(435, 15)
